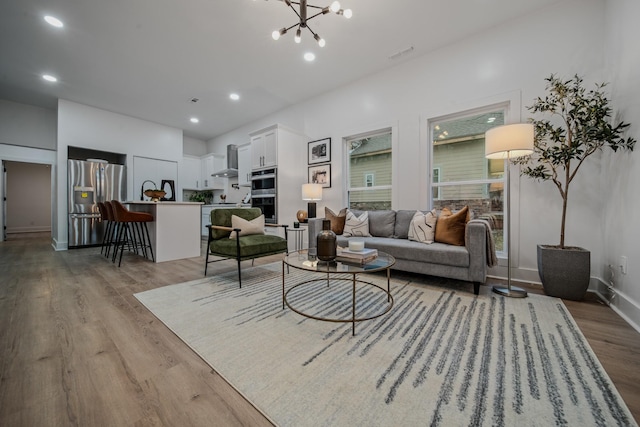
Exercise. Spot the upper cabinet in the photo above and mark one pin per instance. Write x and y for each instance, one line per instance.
(190, 176)
(244, 165)
(264, 149)
(210, 164)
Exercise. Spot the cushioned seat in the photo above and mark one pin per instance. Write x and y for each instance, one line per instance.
(226, 242)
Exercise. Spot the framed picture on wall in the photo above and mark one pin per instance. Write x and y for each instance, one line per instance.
(319, 151)
(320, 174)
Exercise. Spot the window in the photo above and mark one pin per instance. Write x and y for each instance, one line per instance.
(461, 173)
(369, 170)
(368, 180)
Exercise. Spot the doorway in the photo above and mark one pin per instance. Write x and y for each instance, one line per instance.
(26, 199)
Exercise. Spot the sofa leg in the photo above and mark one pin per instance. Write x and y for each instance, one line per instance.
(476, 288)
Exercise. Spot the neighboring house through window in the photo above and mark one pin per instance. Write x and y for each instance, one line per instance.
(461, 175)
(369, 171)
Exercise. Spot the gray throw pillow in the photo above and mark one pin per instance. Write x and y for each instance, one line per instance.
(382, 223)
(403, 221)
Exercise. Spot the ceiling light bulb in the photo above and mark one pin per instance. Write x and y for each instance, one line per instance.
(275, 35)
(335, 6)
(298, 36)
(234, 96)
(194, 120)
(49, 78)
(347, 13)
(52, 20)
(309, 56)
(320, 41)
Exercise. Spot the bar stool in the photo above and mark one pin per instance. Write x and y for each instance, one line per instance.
(131, 224)
(112, 231)
(107, 226)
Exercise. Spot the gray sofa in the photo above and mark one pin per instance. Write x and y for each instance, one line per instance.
(389, 230)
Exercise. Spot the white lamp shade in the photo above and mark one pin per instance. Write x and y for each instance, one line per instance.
(312, 192)
(509, 141)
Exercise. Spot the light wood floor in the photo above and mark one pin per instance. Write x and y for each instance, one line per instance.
(77, 349)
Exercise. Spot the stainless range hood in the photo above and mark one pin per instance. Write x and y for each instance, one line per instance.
(232, 163)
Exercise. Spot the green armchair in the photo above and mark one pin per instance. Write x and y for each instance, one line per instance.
(240, 248)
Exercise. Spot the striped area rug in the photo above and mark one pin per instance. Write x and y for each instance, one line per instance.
(440, 357)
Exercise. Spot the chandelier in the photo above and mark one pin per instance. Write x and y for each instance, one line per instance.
(304, 18)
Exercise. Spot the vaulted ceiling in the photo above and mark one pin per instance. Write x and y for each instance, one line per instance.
(149, 58)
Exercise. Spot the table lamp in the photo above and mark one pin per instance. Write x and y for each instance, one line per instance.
(311, 193)
(509, 142)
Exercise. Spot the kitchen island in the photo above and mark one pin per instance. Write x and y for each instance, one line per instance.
(175, 231)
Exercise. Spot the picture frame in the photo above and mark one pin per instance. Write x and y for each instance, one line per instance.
(320, 174)
(319, 151)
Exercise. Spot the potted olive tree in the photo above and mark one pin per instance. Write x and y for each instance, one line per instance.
(575, 124)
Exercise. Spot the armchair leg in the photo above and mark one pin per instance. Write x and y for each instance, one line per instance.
(239, 274)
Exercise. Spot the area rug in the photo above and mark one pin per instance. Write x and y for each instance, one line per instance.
(441, 356)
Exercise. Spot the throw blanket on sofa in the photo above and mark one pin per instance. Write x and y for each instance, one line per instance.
(492, 259)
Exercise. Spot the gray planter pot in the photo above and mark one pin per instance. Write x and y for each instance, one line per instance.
(564, 273)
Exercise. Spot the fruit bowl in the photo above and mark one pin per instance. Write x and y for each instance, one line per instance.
(155, 195)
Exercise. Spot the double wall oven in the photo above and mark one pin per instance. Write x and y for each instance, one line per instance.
(263, 193)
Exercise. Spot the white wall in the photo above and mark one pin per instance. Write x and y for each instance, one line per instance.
(194, 146)
(27, 126)
(88, 127)
(619, 195)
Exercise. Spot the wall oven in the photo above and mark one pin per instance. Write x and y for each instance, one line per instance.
(264, 194)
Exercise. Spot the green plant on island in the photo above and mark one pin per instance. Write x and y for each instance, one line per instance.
(577, 125)
(202, 197)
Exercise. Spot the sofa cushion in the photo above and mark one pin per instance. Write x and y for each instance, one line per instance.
(222, 217)
(436, 253)
(356, 225)
(253, 245)
(423, 227)
(255, 226)
(337, 220)
(382, 223)
(403, 221)
(450, 226)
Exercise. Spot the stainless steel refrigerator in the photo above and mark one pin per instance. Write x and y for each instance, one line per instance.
(89, 183)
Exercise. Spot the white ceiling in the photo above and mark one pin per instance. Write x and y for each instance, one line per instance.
(149, 58)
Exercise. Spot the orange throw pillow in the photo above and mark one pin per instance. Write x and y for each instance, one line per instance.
(337, 220)
(450, 226)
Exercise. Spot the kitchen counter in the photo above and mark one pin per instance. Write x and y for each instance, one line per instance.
(175, 231)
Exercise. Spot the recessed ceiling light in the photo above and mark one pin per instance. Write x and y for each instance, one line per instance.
(194, 120)
(52, 20)
(309, 56)
(234, 96)
(49, 78)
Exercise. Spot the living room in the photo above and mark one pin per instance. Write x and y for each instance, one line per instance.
(503, 64)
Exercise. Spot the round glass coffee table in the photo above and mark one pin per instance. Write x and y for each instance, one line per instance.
(335, 272)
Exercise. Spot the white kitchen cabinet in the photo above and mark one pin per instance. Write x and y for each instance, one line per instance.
(210, 164)
(244, 165)
(279, 145)
(190, 173)
(264, 149)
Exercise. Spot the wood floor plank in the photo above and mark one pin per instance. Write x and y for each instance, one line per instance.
(77, 348)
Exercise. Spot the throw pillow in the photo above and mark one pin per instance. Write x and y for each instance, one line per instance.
(255, 226)
(356, 225)
(337, 220)
(423, 227)
(450, 226)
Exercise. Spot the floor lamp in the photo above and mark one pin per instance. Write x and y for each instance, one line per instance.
(509, 142)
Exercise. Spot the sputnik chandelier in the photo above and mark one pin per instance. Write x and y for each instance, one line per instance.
(303, 15)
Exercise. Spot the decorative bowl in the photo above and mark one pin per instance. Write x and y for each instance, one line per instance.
(155, 195)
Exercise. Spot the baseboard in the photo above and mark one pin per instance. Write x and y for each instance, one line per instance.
(618, 301)
(31, 229)
(59, 246)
